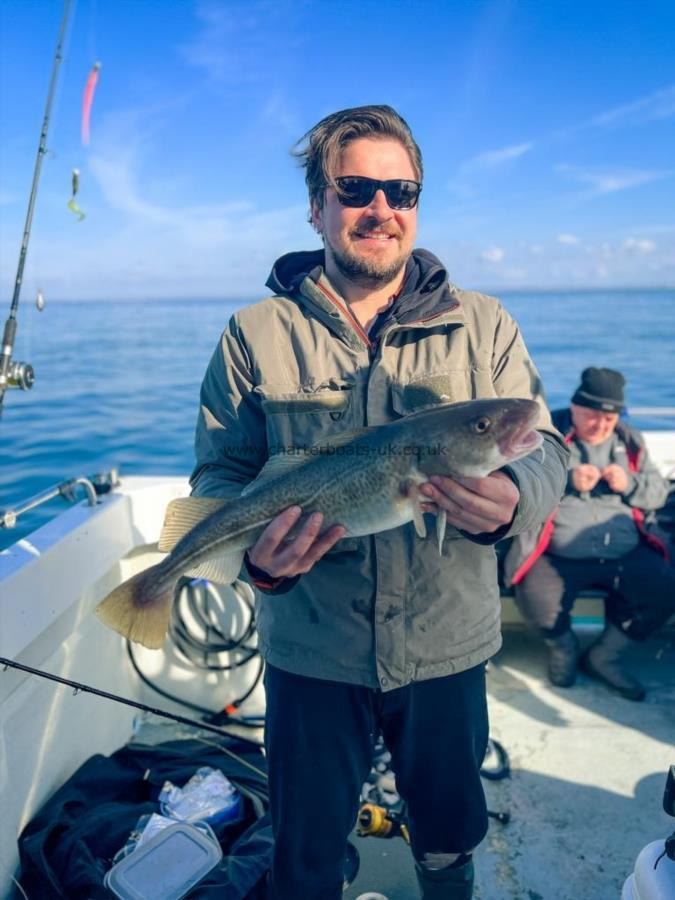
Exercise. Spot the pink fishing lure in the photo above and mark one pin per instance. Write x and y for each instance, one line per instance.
(87, 100)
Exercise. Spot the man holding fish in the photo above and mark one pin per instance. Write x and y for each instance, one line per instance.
(427, 404)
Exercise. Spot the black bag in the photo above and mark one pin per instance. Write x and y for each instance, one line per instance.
(67, 848)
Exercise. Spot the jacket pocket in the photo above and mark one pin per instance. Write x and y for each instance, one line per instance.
(431, 389)
(303, 418)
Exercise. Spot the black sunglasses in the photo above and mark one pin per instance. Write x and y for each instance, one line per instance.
(356, 191)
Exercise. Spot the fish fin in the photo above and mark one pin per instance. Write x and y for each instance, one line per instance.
(221, 569)
(418, 515)
(276, 465)
(182, 515)
(139, 609)
(281, 463)
(441, 522)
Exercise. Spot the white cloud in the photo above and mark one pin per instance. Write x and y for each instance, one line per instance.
(144, 241)
(610, 181)
(193, 253)
(642, 245)
(515, 273)
(568, 239)
(659, 105)
(279, 113)
(668, 230)
(493, 158)
(623, 261)
(493, 254)
(238, 41)
(535, 249)
(490, 162)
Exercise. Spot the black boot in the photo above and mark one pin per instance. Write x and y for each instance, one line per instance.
(563, 652)
(451, 883)
(601, 661)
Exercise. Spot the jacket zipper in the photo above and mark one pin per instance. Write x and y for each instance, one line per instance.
(345, 309)
(357, 325)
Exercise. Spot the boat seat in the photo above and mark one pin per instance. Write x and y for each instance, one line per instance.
(589, 608)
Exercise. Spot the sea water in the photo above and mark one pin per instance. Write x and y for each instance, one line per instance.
(117, 383)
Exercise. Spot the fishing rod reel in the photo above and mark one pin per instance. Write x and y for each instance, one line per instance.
(20, 375)
(13, 374)
(379, 821)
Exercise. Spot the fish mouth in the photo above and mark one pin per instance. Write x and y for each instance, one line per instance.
(522, 438)
(522, 444)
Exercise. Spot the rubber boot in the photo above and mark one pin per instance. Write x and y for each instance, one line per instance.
(563, 652)
(601, 661)
(450, 883)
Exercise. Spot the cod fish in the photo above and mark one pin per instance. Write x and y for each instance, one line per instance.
(367, 481)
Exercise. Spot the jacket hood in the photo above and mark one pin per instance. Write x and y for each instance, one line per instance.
(426, 290)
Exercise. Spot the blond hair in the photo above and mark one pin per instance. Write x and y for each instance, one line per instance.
(323, 144)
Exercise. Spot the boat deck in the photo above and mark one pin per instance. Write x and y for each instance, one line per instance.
(588, 770)
(588, 767)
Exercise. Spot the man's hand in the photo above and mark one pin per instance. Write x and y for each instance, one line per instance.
(282, 558)
(476, 505)
(585, 477)
(616, 478)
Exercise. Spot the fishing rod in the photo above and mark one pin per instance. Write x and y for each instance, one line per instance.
(13, 373)
(78, 687)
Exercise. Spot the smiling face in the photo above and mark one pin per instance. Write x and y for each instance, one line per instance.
(593, 426)
(371, 245)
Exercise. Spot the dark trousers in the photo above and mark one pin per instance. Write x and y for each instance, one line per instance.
(640, 591)
(319, 738)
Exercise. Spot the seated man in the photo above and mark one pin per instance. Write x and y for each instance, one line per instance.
(597, 538)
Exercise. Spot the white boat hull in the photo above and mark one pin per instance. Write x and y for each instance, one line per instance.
(51, 581)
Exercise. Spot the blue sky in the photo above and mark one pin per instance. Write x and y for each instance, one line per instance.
(547, 129)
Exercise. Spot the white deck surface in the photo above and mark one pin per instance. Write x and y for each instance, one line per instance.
(585, 793)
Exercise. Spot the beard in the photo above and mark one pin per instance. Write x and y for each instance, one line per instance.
(364, 271)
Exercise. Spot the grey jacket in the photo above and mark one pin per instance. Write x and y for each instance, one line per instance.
(295, 368)
(592, 511)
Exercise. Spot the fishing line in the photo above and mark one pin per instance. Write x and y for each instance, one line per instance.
(23, 893)
(243, 722)
(197, 635)
(158, 690)
(92, 30)
(227, 752)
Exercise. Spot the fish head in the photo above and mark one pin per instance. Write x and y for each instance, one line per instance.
(476, 437)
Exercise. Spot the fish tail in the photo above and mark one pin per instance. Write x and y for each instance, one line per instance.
(139, 609)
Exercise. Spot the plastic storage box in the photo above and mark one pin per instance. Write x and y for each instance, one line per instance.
(165, 868)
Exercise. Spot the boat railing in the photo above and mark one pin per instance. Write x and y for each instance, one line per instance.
(101, 483)
(652, 411)
(94, 486)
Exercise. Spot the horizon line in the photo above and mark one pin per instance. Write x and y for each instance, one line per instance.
(254, 298)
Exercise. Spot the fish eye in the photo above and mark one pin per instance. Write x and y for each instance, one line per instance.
(482, 425)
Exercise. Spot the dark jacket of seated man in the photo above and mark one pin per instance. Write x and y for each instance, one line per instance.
(600, 536)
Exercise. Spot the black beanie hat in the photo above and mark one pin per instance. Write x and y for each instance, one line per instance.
(600, 389)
